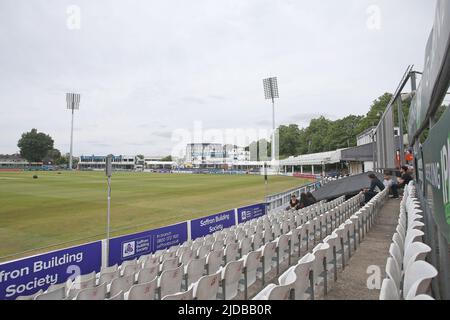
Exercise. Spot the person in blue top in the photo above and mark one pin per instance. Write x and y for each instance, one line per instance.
(375, 186)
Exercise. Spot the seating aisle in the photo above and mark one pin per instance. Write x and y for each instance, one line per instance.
(352, 284)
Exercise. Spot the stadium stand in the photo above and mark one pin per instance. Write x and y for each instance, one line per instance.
(408, 275)
(286, 254)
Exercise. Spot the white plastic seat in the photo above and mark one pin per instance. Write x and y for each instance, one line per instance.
(81, 283)
(167, 264)
(420, 297)
(416, 251)
(393, 271)
(276, 292)
(194, 270)
(109, 269)
(108, 276)
(283, 251)
(240, 234)
(331, 256)
(209, 239)
(413, 235)
(230, 276)
(214, 261)
(308, 228)
(252, 261)
(418, 278)
(268, 253)
(118, 296)
(186, 256)
(302, 276)
(174, 248)
(206, 287)
(401, 231)
(350, 230)
(320, 252)
(126, 264)
(186, 295)
(121, 284)
(93, 293)
(31, 296)
(131, 269)
(58, 286)
(276, 230)
(142, 259)
(57, 294)
(231, 252)
(219, 236)
(257, 240)
(267, 235)
(151, 262)
(396, 253)
(168, 255)
(147, 274)
(203, 251)
(196, 245)
(295, 240)
(142, 291)
(285, 226)
(217, 245)
(170, 281)
(415, 225)
(245, 246)
(389, 290)
(230, 238)
(399, 241)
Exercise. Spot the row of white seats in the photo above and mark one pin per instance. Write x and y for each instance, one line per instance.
(316, 269)
(408, 274)
(271, 247)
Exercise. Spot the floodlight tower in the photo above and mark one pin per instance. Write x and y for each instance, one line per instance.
(73, 103)
(271, 92)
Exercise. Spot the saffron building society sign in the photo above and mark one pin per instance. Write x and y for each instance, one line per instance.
(29, 275)
(135, 245)
(210, 224)
(251, 212)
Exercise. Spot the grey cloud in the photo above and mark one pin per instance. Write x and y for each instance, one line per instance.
(145, 68)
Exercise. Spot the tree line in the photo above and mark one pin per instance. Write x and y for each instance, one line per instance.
(323, 134)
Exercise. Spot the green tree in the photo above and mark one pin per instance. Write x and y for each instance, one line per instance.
(343, 132)
(167, 158)
(62, 160)
(52, 156)
(376, 110)
(34, 145)
(289, 138)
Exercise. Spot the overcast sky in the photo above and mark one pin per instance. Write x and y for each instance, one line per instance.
(147, 68)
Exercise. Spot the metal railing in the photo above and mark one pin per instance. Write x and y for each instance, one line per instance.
(281, 199)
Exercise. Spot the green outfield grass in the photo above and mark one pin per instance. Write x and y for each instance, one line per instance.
(64, 207)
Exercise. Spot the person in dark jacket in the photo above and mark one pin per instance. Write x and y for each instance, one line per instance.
(303, 201)
(293, 203)
(310, 198)
(375, 186)
(405, 177)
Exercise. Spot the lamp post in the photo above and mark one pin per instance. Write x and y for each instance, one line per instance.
(73, 103)
(271, 93)
(108, 171)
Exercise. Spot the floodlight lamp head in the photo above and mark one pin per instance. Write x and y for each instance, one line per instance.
(270, 88)
(73, 101)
